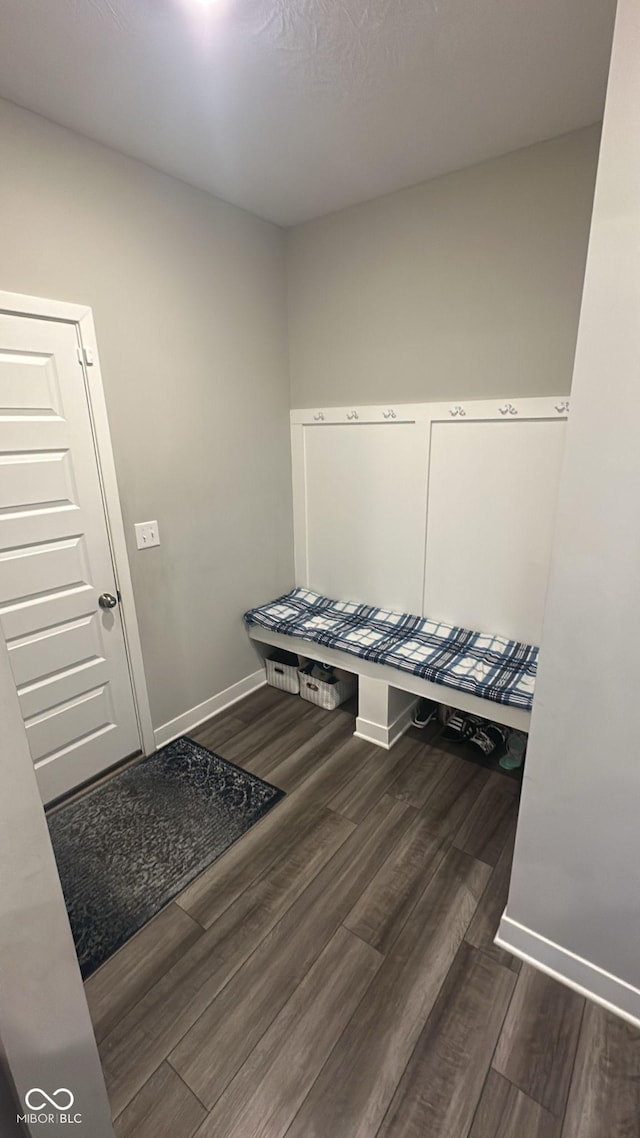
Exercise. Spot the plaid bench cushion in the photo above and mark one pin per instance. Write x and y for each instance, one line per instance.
(490, 667)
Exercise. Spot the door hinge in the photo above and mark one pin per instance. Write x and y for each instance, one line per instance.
(85, 356)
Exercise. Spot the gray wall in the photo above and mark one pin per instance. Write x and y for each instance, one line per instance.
(10, 1105)
(575, 874)
(467, 286)
(188, 295)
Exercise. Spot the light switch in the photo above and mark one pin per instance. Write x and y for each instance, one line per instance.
(147, 534)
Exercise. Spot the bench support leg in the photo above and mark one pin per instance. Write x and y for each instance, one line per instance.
(384, 712)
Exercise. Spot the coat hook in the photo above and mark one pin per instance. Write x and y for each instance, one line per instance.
(508, 409)
(319, 418)
(563, 407)
(457, 410)
(352, 414)
(390, 414)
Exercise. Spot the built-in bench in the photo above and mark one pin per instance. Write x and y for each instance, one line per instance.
(398, 656)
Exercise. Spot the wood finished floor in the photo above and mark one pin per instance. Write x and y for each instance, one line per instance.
(333, 975)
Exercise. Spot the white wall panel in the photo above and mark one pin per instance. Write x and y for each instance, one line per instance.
(365, 512)
(445, 509)
(491, 510)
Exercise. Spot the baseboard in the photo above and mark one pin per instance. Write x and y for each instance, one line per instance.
(217, 703)
(384, 736)
(588, 979)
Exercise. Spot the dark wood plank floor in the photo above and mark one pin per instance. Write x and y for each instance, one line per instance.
(334, 974)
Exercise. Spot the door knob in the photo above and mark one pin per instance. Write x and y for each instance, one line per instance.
(107, 601)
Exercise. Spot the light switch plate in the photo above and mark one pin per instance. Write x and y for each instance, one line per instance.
(147, 534)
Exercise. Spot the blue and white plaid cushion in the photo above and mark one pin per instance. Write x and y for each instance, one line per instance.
(490, 667)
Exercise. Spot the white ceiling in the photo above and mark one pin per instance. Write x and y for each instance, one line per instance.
(295, 108)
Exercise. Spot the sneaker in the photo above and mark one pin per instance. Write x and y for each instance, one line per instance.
(425, 712)
(461, 727)
(489, 740)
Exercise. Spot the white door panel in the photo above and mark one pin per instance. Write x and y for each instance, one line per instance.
(28, 384)
(28, 474)
(70, 723)
(68, 655)
(32, 570)
(52, 691)
(23, 617)
(54, 522)
(41, 654)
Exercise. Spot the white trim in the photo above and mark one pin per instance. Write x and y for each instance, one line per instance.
(299, 490)
(385, 736)
(395, 678)
(212, 706)
(115, 526)
(313, 417)
(17, 302)
(564, 966)
(455, 410)
(82, 316)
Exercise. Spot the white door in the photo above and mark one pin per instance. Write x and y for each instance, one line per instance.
(67, 652)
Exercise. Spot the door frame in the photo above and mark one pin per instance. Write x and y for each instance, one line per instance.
(81, 316)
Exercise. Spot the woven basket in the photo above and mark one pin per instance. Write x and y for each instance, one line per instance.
(283, 676)
(328, 696)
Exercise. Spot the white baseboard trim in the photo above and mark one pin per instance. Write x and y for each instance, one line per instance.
(217, 703)
(384, 736)
(588, 979)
